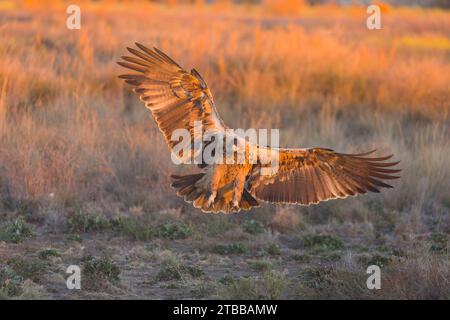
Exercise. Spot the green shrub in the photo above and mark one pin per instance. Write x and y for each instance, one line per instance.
(269, 286)
(253, 227)
(226, 280)
(375, 259)
(10, 283)
(98, 269)
(203, 290)
(304, 258)
(230, 248)
(15, 231)
(261, 265)
(174, 270)
(84, 222)
(274, 283)
(172, 230)
(47, 253)
(330, 256)
(319, 278)
(323, 242)
(272, 249)
(325, 282)
(132, 229)
(216, 225)
(74, 237)
(439, 242)
(28, 268)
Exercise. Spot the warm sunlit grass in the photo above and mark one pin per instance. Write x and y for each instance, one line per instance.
(69, 127)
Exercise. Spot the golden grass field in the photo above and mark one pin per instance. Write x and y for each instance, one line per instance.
(84, 169)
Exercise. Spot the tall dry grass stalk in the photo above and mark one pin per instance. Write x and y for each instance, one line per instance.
(3, 101)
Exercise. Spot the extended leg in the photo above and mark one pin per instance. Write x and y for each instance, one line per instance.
(238, 187)
(215, 179)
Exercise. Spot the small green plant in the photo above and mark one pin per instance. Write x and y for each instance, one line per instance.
(172, 269)
(330, 256)
(261, 265)
(172, 230)
(240, 288)
(48, 253)
(375, 259)
(272, 249)
(439, 242)
(253, 227)
(319, 278)
(84, 222)
(326, 282)
(10, 283)
(304, 258)
(32, 269)
(323, 242)
(231, 248)
(100, 269)
(74, 237)
(269, 286)
(274, 283)
(216, 225)
(15, 231)
(226, 280)
(132, 229)
(203, 290)
(391, 251)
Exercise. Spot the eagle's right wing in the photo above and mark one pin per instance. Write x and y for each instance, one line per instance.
(176, 98)
(308, 176)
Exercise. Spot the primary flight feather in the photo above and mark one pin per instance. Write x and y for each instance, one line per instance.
(178, 99)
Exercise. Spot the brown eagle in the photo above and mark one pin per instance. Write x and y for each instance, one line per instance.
(177, 99)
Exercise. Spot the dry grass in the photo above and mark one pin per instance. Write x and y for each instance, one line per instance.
(73, 136)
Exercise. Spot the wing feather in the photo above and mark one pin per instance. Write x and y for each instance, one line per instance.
(176, 98)
(307, 176)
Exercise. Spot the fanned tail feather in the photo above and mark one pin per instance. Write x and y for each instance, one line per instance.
(192, 189)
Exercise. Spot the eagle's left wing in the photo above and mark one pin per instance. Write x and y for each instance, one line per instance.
(308, 176)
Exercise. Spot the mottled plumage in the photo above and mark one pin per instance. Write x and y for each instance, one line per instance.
(177, 99)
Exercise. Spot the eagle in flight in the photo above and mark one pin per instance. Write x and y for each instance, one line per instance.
(179, 99)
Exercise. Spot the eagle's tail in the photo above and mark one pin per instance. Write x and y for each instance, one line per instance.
(193, 189)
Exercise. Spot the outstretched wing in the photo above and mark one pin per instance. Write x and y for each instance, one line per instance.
(176, 98)
(308, 176)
